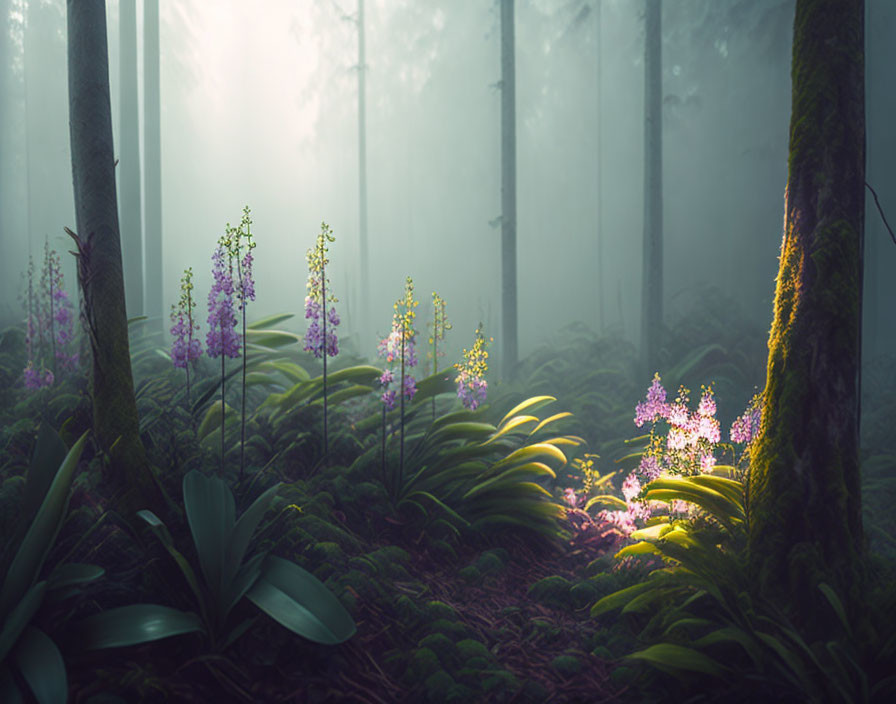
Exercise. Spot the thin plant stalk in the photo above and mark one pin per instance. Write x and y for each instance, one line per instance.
(323, 288)
(383, 451)
(239, 272)
(401, 395)
(222, 402)
(49, 265)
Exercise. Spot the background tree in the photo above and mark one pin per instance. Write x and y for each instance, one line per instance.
(805, 504)
(652, 270)
(152, 168)
(129, 155)
(363, 249)
(115, 421)
(508, 193)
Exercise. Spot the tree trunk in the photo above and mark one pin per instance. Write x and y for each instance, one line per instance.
(129, 166)
(508, 193)
(805, 503)
(602, 308)
(115, 423)
(652, 271)
(364, 253)
(152, 169)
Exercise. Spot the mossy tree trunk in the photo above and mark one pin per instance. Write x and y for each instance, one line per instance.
(805, 503)
(115, 422)
(509, 321)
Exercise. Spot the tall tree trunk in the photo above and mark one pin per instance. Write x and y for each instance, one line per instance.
(805, 503)
(364, 252)
(129, 154)
(115, 423)
(652, 270)
(509, 330)
(602, 309)
(152, 170)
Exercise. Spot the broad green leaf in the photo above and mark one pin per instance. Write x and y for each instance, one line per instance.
(510, 426)
(292, 371)
(210, 513)
(298, 600)
(620, 598)
(49, 453)
(688, 622)
(134, 624)
(41, 533)
(73, 573)
(19, 617)
(42, 667)
(530, 403)
(243, 531)
(271, 339)
(672, 658)
(212, 419)
(836, 604)
(468, 430)
(269, 321)
(630, 461)
(607, 500)
(550, 419)
(642, 548)
(524, 470)
(529, 452)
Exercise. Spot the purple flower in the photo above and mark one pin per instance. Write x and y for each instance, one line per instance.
(655, 405)
(745, 427)
(388, 399)
(221, 337)
(386, 377)
(649, 468)
(410, 386)
(631, 487)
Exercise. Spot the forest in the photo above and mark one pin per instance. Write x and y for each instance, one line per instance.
(447, 351)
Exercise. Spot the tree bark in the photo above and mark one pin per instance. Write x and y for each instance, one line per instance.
(804, 487)
(115, 422)
(152, 169)
(508, 192)
(129, 166)
(652, 270)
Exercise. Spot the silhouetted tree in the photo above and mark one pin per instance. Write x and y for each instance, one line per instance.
(364, 251)
(509, 329)
(115, 422)
(129, 154)
(804, 487)
(152, 168)
(652, 270)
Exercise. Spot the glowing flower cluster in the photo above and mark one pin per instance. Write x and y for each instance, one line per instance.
(471, 384)
(221, 337)
(240, 243)
(318, 296)
(185, 347)
(745, 427)
(399, 346)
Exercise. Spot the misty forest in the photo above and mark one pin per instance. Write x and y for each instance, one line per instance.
(447, 351)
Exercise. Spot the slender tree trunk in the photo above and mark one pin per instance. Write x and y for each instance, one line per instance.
(652, 271)
(115, 422)
(129, 150)
(152, 168)
(363, 250)
(805, 503)
(508, 192)
(602, 309)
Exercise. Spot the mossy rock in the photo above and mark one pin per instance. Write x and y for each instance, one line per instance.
(388, 561)
(475, 665)
(323, 530)
(439, 609)
(423, 662)
(551, 591)
(408, 612)
(327, 552)
(470, 573)
(623, 674)
(441, 687)
(492, 561)
(363, 585)
(603, 652)
(567, 665)
(499, 681)
(443, 549)
(442, 646)
(469, 648)
(605, 583)
(450, 628)
(583, 594)
(533, 692)
(601, 565)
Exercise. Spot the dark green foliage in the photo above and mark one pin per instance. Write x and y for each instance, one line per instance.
(552, 591)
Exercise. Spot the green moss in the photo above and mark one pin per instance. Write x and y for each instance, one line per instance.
(422, 664)
(448, 627)
(470, 573)
(567, 665)
(583, 594)
(439, 609)
(469, 648)
(328, 552)
(388, 562)
(551, 591)
(443, 549)
(499, 681)
(438, 686)
(322, 530)
(409, 613)
(441, 645)
(492, 561)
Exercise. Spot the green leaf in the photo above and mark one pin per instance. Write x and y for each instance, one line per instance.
(242, 532)
(290, 370)
(529, 452)
(41, 533)
(42, 667)
(531, 403)
(134, 624)
(642, 548)
(672, 658)
(510, 426)
(210, 513)
(18, 619)
(550, 419)
(271, 339)
(49, 453)
(620, 598)
(269, 321)
(607, 500)
(344, 394)
(836, 604)
(212, 419)
(299, 601)
(73, 573)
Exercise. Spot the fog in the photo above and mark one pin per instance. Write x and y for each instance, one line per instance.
(260, 108)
